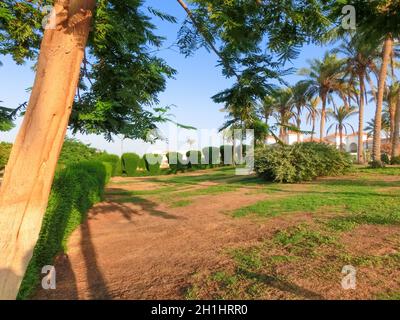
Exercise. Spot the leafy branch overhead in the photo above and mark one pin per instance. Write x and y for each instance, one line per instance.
(120, 78)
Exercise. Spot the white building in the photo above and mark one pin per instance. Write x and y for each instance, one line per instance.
(350, 141)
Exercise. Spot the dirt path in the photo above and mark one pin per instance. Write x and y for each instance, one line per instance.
(148, 250)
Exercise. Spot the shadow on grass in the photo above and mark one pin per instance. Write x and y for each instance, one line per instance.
(281, 284)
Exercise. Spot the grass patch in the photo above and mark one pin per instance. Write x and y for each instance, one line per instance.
(181, 203)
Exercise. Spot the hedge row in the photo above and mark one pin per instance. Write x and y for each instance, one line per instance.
(75, 189)
(5, 150)
(300, 162)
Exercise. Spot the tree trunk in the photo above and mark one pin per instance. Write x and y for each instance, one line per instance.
(313, 128)
(387, 50)
(298, 120)
(396, 133)
(392, 114)
(360, 151)
(341, 138)
(30, 170)
(323, 116)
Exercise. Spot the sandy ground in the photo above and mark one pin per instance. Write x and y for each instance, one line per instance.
(148, 250)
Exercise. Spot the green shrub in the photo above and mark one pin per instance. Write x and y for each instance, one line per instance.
(74, 151)
(194, 159)
(113, 159)
(74, 191)
(142, 164)
(109, 170)
(5, 150)
(176, 162)
(130, 163)
(153, 163)
(300, 162)
(211, 156)
(395, 160)
(226, 152)
(385, 158)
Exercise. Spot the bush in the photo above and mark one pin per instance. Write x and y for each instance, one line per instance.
(385, 158)
(142, 164)
(74, 151)
(300, 162)
(395, 160)
(5, 150)
(113, 159)
(75, 189)
(153, 163)
(211, 156)
(130, 163)
(176, 162)
(194, 159)
(226, 152)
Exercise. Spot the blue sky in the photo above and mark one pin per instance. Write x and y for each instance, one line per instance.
(197, 80)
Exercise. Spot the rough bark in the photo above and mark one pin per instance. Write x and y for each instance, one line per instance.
(360, 151)
(387, 49)
(341, 138)
(396, 133)
(30, 171)
(313, 128)
(323, 117)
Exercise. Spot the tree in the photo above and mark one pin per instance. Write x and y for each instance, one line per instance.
(340, 115)
(300, 100)
(396, 134)
(123, 76)
(377, 24)
(312, 115)
(284, 111)
(323, 78)
(359, 62)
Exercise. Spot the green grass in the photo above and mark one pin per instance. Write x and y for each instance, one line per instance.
(181, 203)
(356, 201)
(312, 251)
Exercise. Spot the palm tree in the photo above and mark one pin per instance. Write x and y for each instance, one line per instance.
(283, 110)
(390, 99)
(377, 23)
(385, 127)
(340, 115)
(312, 115)
(300, 100)
(396, 134)
(266, 107)
(323, 78)
(360, 61)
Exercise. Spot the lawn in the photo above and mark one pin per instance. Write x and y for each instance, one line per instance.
(214, 235)
(352, 220)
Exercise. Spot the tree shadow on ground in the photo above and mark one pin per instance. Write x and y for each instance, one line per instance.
(95, 279)
(121, 205)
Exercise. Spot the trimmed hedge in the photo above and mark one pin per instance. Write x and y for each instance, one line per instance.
(212, 156)
(5, 150)
(113, 159)
(176, 162)
(153, 163)
(75, 190)
(130, 163)
(141, 164)
(300, 162)
(194, 159)
(226, 152)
